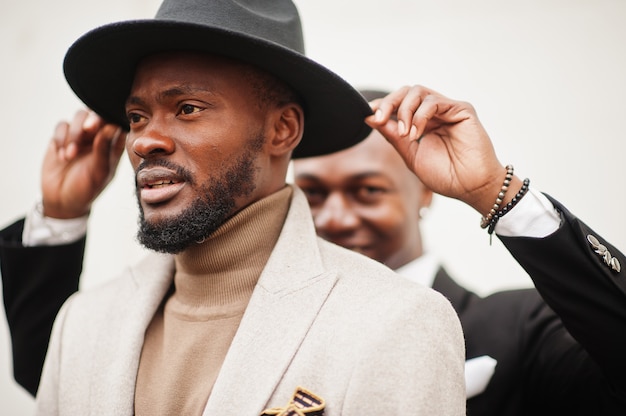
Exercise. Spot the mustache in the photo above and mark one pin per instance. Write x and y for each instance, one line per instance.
(181, 172)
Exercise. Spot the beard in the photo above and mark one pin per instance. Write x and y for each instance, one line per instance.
(214, 205)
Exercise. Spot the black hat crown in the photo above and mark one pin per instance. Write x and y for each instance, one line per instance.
(272, 21)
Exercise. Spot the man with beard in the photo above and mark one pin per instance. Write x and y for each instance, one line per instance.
(521, 358)
(161, 181)
(247, 310)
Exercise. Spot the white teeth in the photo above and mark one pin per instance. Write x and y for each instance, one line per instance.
(160, 184)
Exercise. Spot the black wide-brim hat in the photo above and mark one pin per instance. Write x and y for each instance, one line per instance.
(100, 66)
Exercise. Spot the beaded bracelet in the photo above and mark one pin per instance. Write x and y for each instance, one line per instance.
(508, 207)
(484, 222)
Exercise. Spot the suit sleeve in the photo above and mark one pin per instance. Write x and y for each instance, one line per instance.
(35, 281)
(588, 294)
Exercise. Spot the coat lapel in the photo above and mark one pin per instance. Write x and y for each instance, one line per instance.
(148, 282)
(292, 288)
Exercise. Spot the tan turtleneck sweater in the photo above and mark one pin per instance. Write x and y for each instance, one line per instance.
(189, 336)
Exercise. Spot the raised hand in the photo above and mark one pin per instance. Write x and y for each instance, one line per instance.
(80, 162)
(443, 142)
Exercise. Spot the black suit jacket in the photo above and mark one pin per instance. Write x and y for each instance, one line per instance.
(541, 369)
(589, 297)
(35, 283)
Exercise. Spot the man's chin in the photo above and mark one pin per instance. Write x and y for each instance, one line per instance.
(170, 235)
(159, 216)
(163, 242)
(175, 233)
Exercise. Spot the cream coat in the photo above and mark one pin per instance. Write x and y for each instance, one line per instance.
(321, 317)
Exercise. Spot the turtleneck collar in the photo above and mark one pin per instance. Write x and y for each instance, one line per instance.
(224, 268)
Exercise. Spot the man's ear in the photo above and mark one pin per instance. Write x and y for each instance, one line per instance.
(425, 199)
(286, 129)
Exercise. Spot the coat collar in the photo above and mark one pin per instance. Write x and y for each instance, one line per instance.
(292, 288)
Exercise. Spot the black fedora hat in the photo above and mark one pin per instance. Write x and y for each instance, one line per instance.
(100, 65)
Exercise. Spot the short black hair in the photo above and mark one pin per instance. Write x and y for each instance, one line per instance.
(269, 90)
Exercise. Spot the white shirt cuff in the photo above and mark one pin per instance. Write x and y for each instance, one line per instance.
(45, 231)
(533, 216)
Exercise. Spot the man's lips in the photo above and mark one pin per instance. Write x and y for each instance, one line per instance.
(157, 185)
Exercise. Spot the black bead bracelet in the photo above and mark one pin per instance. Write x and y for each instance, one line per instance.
(508, 207)
(485, 221)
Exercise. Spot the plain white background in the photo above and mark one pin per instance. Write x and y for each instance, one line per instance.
(546, 77)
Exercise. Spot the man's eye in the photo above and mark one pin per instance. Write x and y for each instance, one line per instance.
(314, 196)
(134, 118)
(371, 190)
(311, 191)
(189, 109)
(365, 192)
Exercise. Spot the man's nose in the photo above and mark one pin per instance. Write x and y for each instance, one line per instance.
(335, 215)
(151, 141)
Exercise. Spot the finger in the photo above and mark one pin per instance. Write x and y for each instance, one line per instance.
(376, 113)
(119, 145)
(406, 148)
(408, 106)
(427, 110)
(437, 110)
(74, 135)
(92, 123)
(103, 145)
(83, 129)
(390, 131)
(58, 139)
(386, 107)
(117, 148)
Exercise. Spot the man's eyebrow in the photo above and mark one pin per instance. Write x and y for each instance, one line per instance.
(134, 100)
(169, 93)
(181, 90)
(358, 176)
(369, 174)
(307, 176)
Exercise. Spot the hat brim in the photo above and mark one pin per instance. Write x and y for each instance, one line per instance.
(100, 67)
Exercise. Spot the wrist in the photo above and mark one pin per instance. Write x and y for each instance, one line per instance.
(62, 213)
(44, 231)
(497, 192)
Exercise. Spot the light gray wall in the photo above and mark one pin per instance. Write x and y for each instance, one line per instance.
(546, 78)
